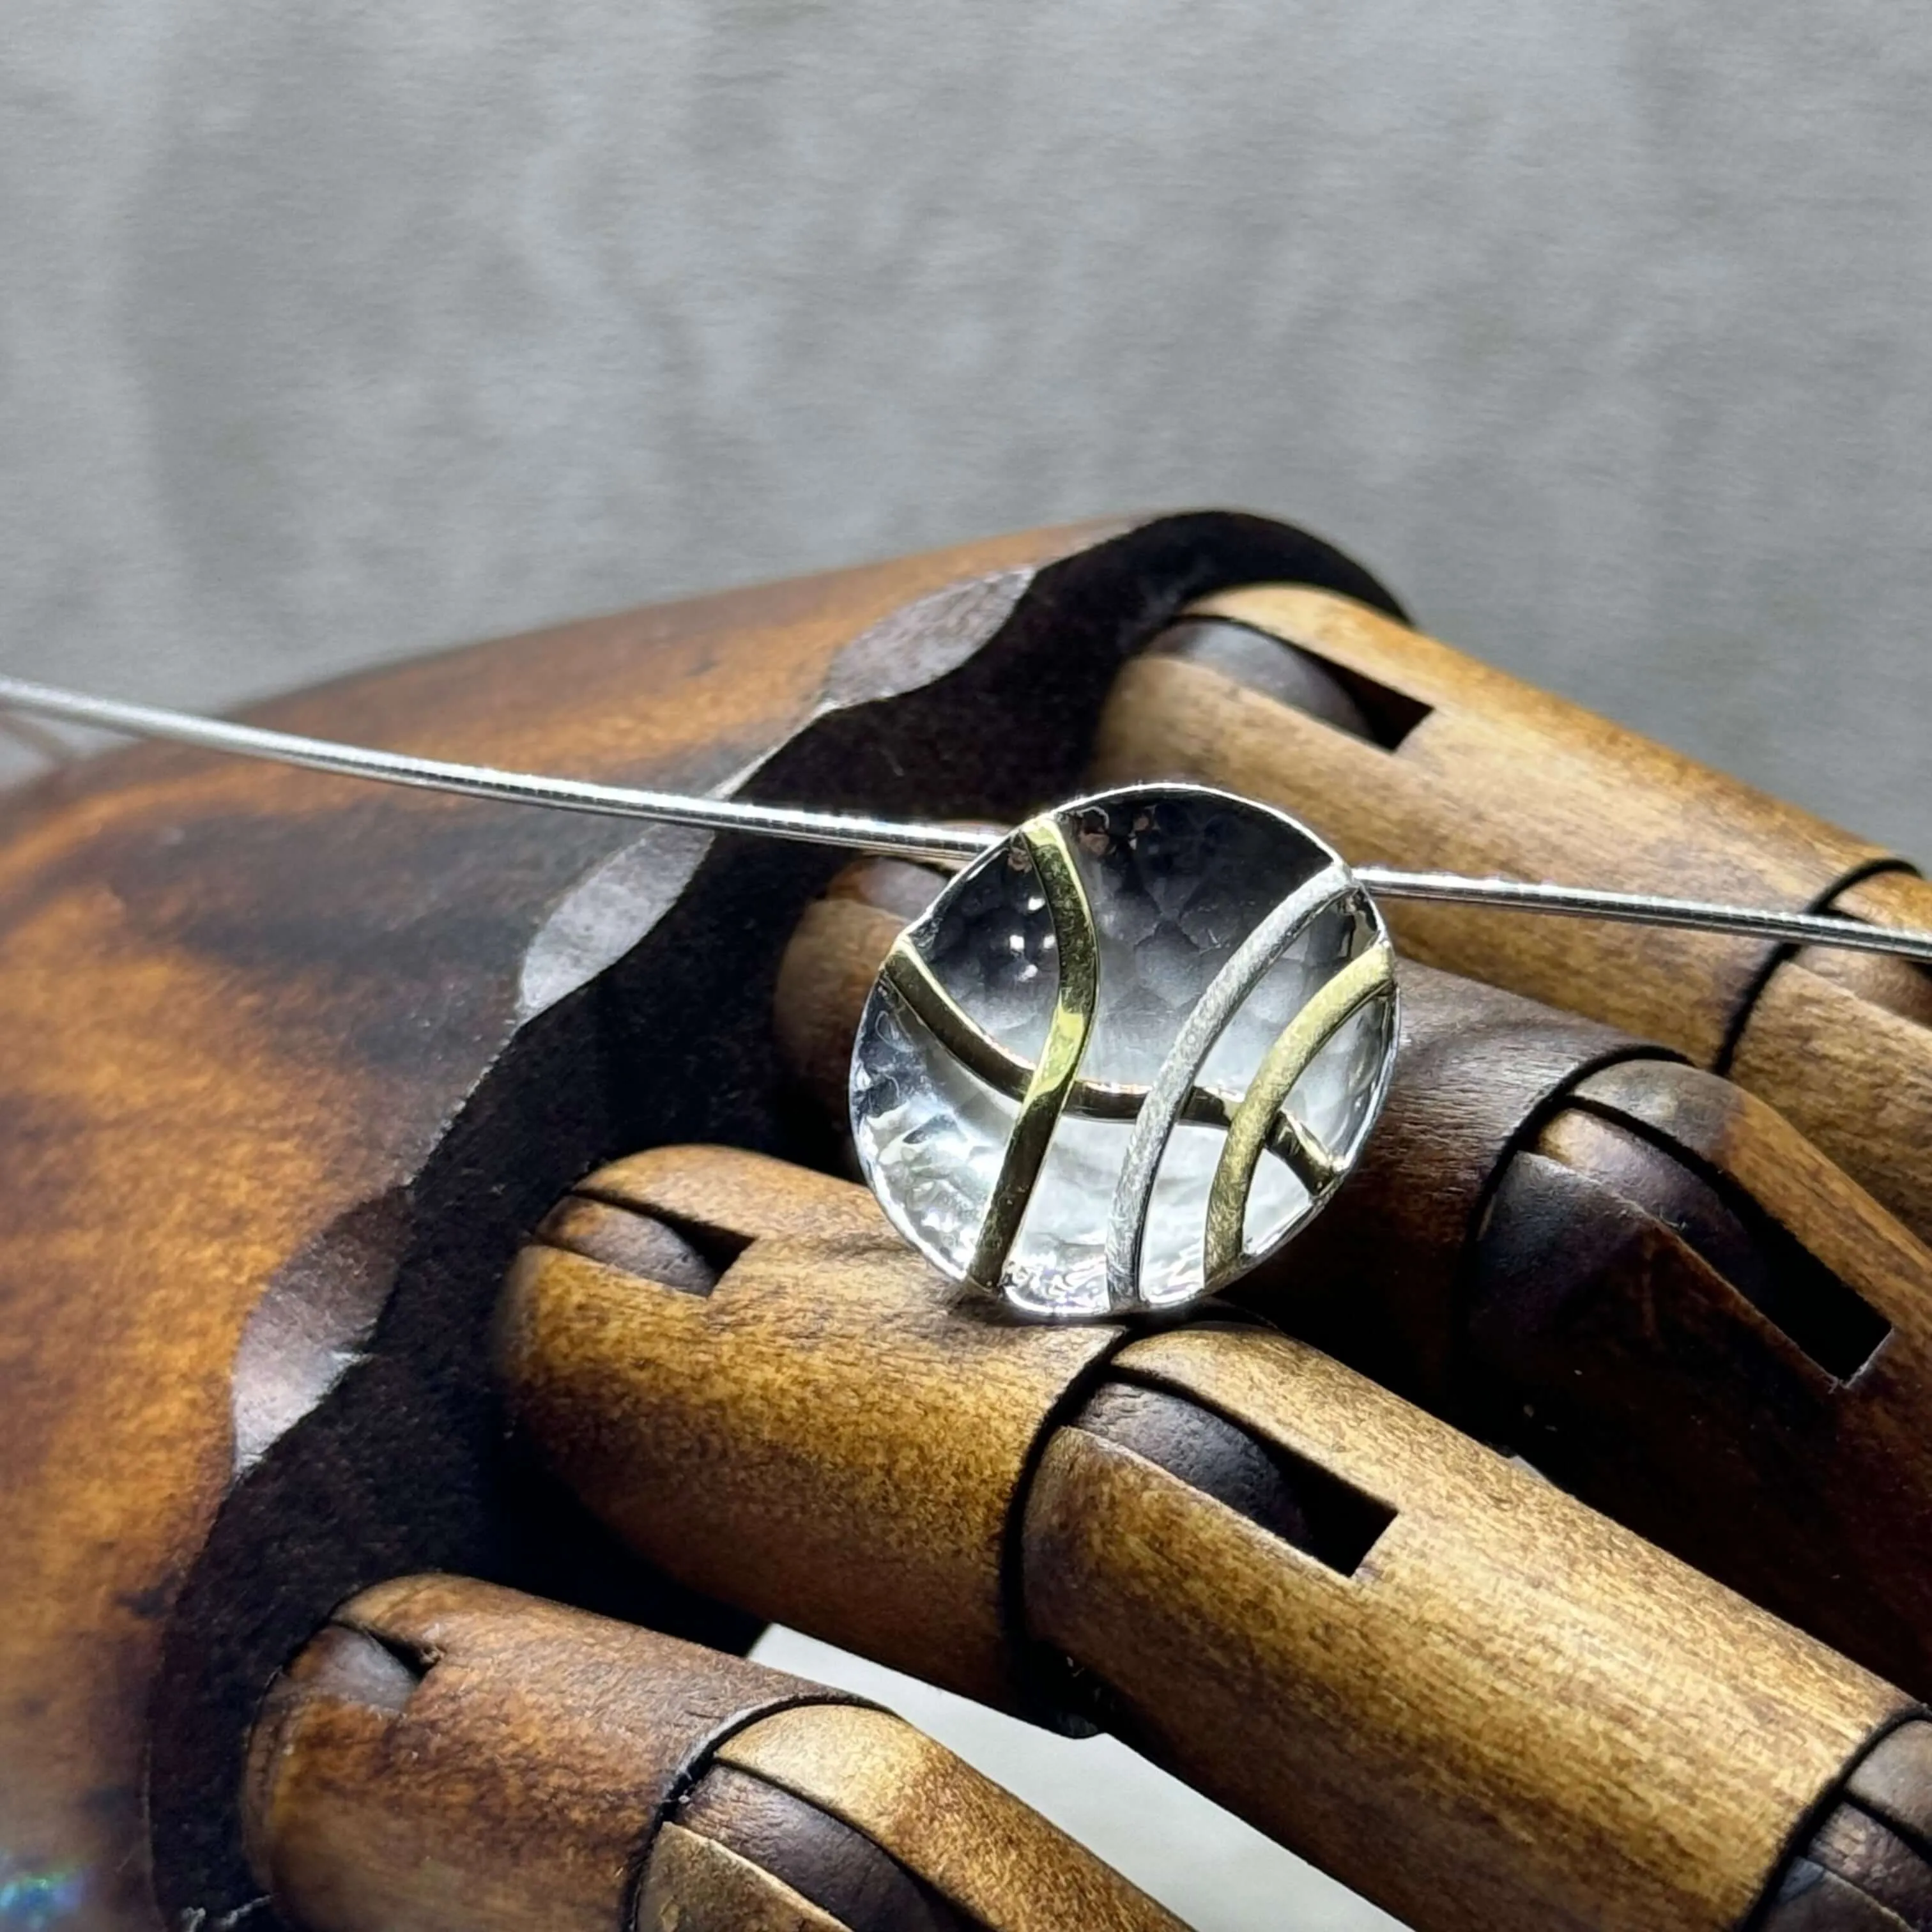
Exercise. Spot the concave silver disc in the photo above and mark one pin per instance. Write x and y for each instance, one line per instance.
(1126, 1053)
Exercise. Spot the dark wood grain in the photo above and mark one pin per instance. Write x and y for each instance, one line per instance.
(1491, 775)
(451, 1756)
(1569, 1242)
(1421, 1666)
(293, 1063)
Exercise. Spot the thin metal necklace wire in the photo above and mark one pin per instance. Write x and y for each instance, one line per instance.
(1134, 1044)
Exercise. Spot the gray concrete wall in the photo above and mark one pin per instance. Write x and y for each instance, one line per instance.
(328, 332)
(331, 331)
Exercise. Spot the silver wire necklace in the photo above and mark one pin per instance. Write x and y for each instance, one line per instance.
(1131, 1048)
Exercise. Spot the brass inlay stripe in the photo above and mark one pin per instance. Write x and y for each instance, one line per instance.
(1324, 1016)
(912, 981)
(1077, 948)
(1209, 1018)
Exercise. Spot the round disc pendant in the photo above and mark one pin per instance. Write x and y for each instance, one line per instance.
(1126, 1053)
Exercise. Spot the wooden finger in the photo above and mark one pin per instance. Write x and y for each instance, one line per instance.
(997, 1860)
(803, 1420)
(1453, 765)
(1434, 1674)
(1393, 1675)
(451, 1756)
(1633, 1272)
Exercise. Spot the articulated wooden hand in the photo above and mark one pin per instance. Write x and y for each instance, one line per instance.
(1418, 1665)
(294, 1067)
(1633, 1272)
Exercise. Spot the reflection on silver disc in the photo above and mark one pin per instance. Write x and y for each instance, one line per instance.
(1126, 1053)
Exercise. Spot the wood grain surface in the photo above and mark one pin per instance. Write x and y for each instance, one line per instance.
(293, 1063)
(1568, 1241)
(1447, 1683)
(782, 1446)
(999, 1861)
(694, 1884)
(1511, 1714)
(510, 1768)
(451, 1756)
(1450, 765)
(1731, 1353)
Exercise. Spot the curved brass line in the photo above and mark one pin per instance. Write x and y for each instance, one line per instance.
(1077, 947)
(1324, 1016)
(1196, 1038)
(907, 973)
(912, 980)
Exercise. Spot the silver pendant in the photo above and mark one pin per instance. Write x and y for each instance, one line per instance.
(1128, 1052)
(1132, 1049)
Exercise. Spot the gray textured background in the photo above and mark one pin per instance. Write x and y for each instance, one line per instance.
(329, 332)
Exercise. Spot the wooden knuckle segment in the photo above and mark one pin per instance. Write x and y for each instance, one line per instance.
(1865, 1865)
(1713, 1334)
(825, 1438)
(726, 1195)
(1820, 1261)
(1854, 1077)
(1754, 1150)
(1373, 1278)
(1632, 1370)
(695, 1884)
(816, 1856)
(1440, 1678)
(448, 1755)
(994, 1862)
(1483, 773)
(1633, 1271)
(1892, 895)
(1506, 1712)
